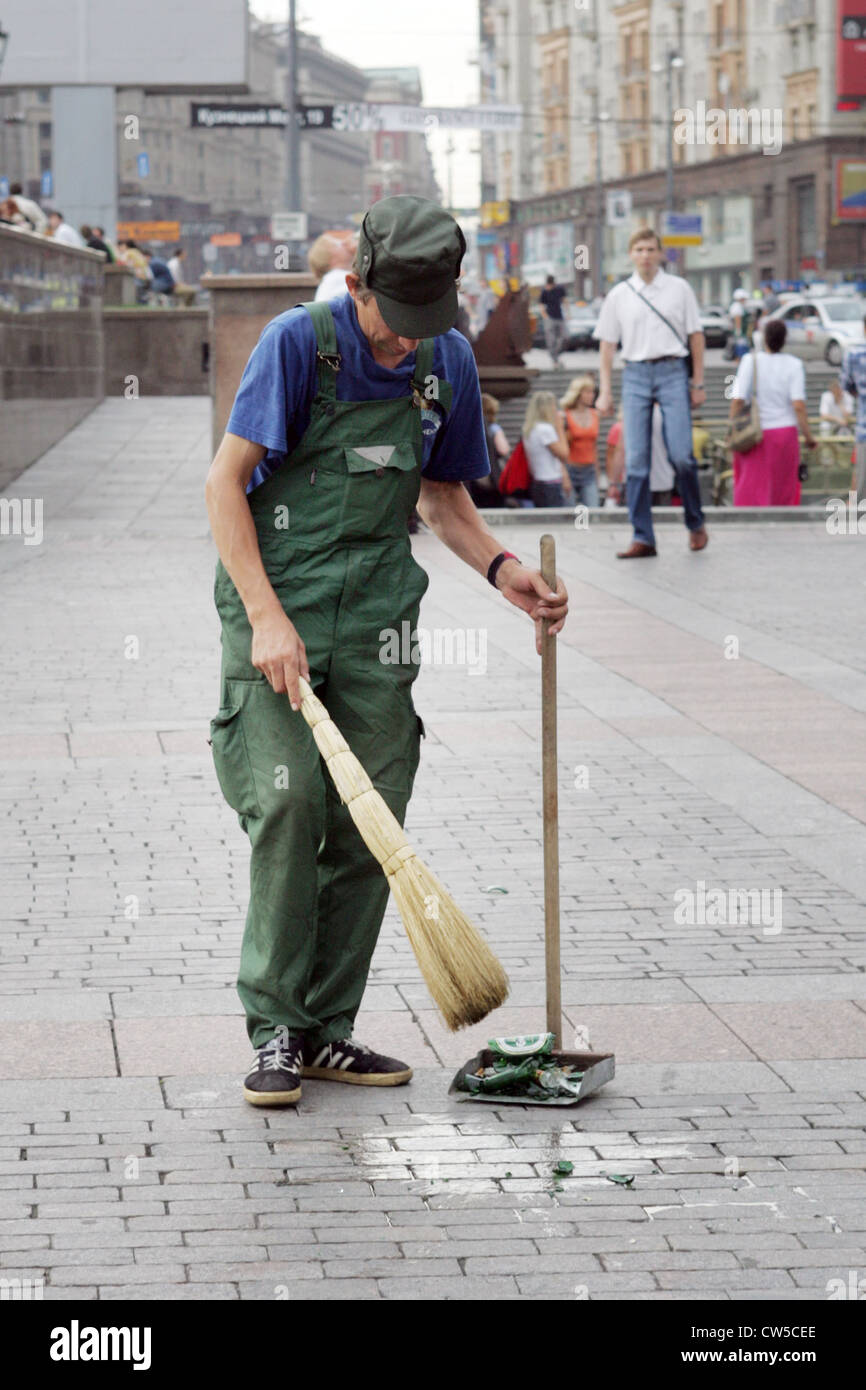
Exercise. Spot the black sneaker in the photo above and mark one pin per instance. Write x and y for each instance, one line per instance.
(276, 1077)
(351, 1061)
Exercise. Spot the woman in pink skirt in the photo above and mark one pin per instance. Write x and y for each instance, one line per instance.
(768, 475)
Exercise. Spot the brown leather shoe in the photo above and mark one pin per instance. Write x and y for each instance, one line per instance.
(636, 551)
(698, 539)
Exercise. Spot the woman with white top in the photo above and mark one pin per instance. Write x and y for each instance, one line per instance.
(546, 451)
(768, 475)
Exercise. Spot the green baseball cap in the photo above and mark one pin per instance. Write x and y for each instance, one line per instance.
(409, 252)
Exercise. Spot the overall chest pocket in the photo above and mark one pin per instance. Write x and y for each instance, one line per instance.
(376, 458)
(382, 483)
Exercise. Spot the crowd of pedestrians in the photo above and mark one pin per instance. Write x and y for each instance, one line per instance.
(158, 280)
(653, 448)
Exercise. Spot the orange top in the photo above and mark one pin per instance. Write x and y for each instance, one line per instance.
(582, 438)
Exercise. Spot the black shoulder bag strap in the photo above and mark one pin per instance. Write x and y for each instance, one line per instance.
(683, 341)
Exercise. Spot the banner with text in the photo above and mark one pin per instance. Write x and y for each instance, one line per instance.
(354, 116)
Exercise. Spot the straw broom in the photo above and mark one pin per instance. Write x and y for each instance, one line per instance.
(462, 973)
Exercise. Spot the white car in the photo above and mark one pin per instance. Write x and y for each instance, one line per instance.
(822, 327)
(580, 324)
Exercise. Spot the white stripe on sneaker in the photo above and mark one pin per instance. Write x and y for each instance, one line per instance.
(348, 1062)
(322, 1055)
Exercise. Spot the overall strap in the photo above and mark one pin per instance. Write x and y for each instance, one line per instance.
(423, 364)
(426, 388)
(327, 357)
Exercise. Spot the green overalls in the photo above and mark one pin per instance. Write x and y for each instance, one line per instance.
(332, 530)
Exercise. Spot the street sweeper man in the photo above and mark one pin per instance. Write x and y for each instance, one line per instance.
(349, 413)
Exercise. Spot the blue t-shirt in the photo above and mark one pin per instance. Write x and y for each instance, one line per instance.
(272, 406)
(162, 279)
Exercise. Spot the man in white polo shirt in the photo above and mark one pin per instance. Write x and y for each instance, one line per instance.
(655, 317)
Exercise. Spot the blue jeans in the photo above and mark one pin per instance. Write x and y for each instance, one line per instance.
(585, 483)
(548, 494)
(643, 384)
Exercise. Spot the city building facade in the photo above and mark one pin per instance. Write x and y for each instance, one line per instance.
(400, 160)
(740, 104)
(215, 189)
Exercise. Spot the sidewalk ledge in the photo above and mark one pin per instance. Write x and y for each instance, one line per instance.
(564, 516)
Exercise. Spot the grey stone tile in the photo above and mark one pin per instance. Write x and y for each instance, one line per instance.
(765, 988)
(834, 1074)
(688, 779)
(166, 1291)
(633, 1078)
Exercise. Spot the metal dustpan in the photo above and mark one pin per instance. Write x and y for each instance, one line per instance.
(597, 1067)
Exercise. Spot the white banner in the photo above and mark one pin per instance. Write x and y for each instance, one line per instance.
(362, 115)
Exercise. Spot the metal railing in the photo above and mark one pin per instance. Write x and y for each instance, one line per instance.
(829, 463)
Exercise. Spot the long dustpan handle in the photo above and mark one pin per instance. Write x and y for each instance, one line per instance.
(551, 805)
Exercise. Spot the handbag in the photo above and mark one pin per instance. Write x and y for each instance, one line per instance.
(515, 475)
(689, 360)
(745, 431)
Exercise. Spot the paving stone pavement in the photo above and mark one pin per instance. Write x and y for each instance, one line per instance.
(712, 740)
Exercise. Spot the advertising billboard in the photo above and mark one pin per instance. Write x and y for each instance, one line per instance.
(850, 54)
(196, 45)
(149, 231)
(682, 229)
(849, 190)
(548, 250)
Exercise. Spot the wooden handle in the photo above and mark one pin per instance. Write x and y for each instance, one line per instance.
(551, 805)
(311, 706)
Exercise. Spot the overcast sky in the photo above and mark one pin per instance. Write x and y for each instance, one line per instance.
(382, 33)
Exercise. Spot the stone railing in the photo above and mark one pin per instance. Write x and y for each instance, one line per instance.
(51, 344)
(240, 306)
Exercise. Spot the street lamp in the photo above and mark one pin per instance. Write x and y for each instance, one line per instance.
(4, 40)
(673, 60)
(597, 119)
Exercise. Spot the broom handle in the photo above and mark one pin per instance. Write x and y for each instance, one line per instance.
(551, 805)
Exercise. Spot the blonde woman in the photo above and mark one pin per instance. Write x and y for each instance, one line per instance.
(546, 451)
(581, 428)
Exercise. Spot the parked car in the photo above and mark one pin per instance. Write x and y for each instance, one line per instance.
(580, 325)
(580, 321)
(716, 324)
(822, 327)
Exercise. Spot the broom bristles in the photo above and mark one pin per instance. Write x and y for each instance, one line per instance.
(461, 972)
